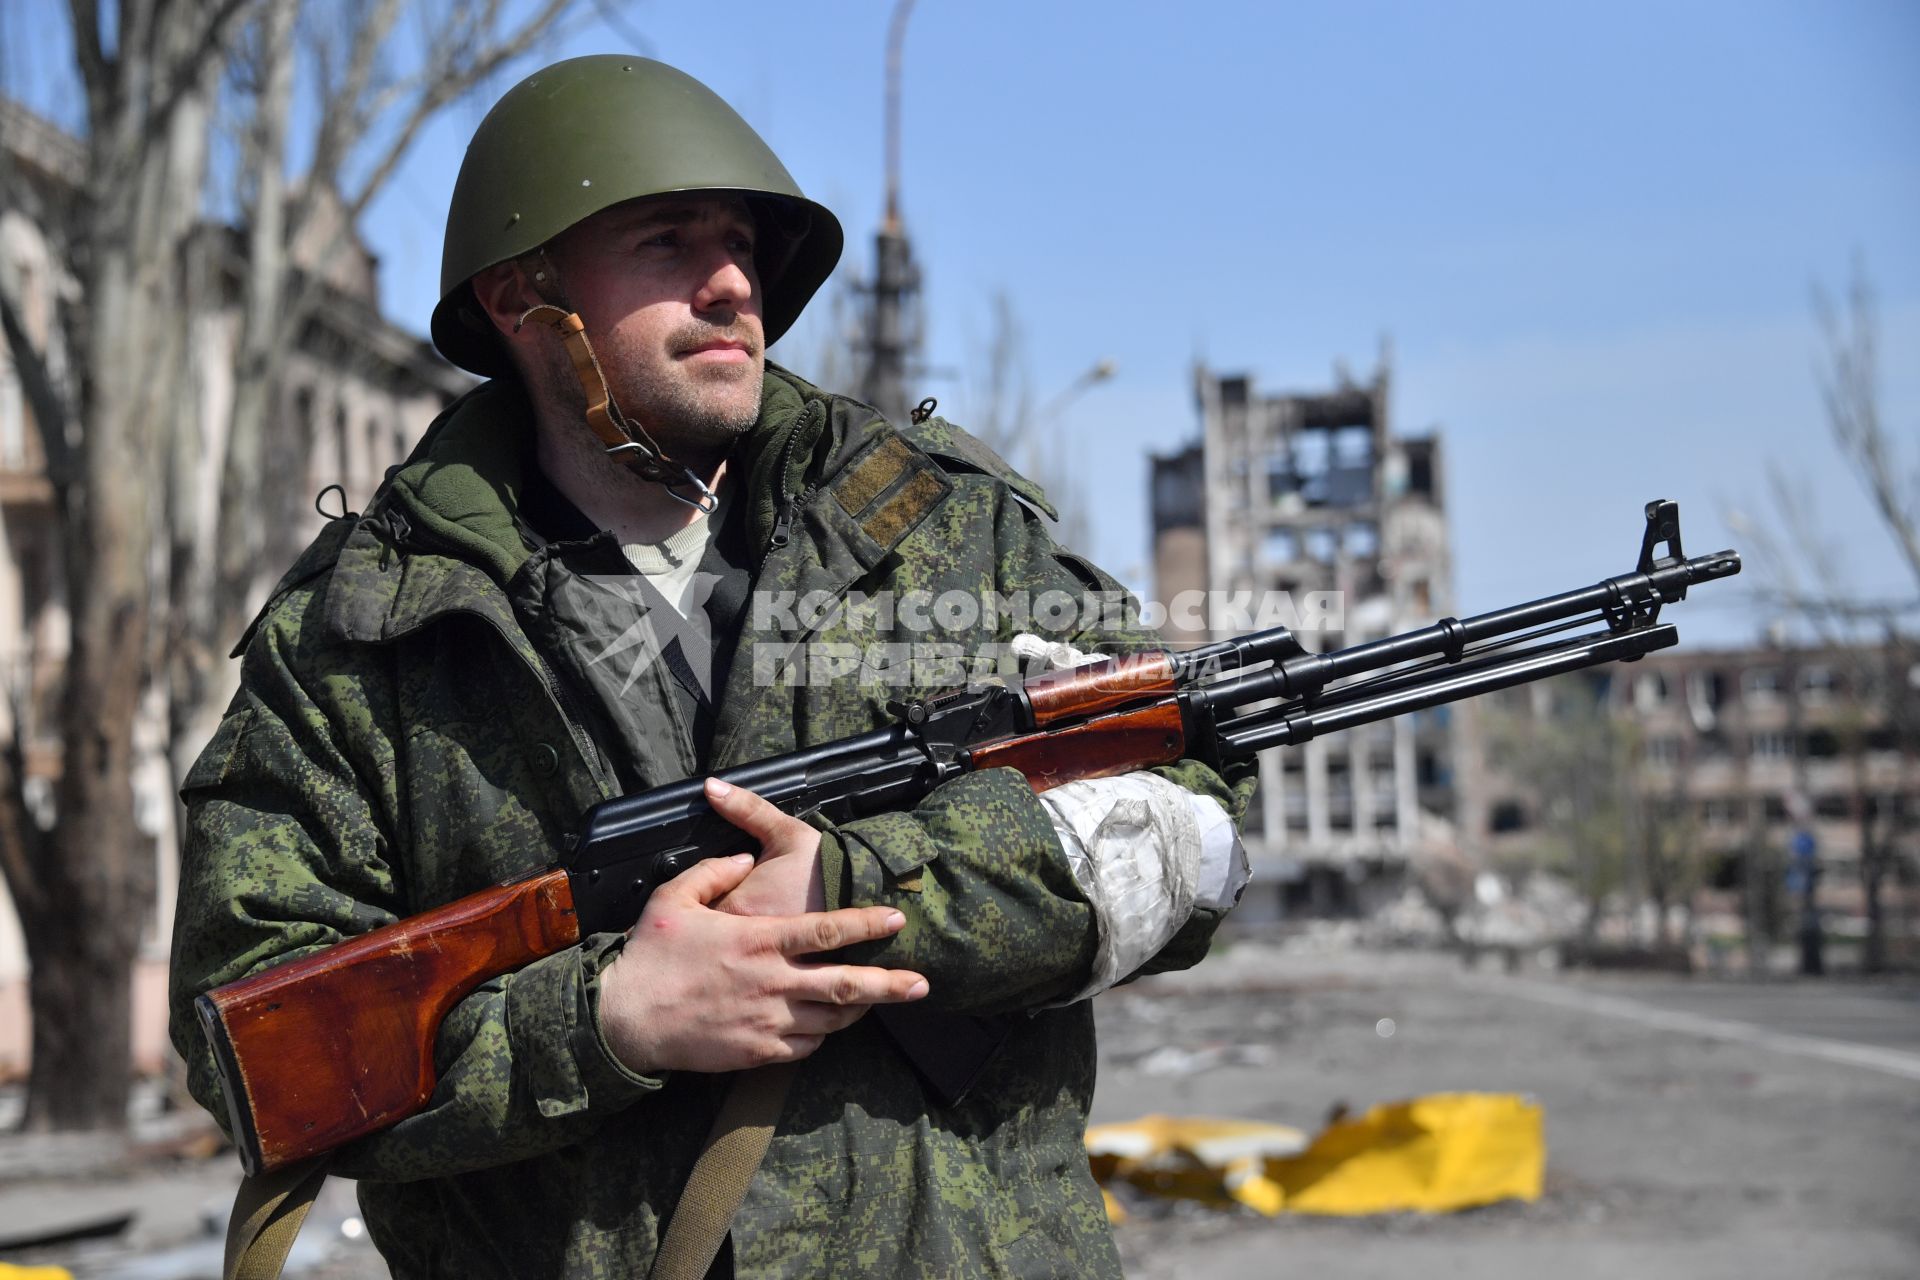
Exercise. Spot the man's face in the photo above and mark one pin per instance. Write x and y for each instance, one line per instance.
(671, 301)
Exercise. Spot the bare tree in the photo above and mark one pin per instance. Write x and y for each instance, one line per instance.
(1805, 579)
(158, 79)
(1579, 759)
(1666, 837)
(1000, 410)
(824, 346)
(1850, 389)
(372, 113)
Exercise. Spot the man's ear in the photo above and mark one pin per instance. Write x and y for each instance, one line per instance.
(504, 292)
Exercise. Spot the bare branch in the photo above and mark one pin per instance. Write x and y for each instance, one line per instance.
(616, 22)
(49, 408)
(345, 122)
(22, 843)
(198, 52)
(95, 72)
(462, 63)
(1849, 389)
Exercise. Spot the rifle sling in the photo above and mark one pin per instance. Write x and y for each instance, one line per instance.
(269, 1208)
(267, 1213)
(735, 1146)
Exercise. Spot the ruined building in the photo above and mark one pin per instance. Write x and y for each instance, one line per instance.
(1284, 496)
(1732, 756)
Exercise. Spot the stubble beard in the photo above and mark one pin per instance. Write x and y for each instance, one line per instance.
(694, 411)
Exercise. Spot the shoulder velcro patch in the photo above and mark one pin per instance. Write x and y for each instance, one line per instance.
(964, 451)
(889, 489)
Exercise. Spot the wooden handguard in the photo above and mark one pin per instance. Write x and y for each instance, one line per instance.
(1098, 686)
(1103, 747)
(337, 1044)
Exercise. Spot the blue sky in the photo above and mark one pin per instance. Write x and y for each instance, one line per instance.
(1590, 232)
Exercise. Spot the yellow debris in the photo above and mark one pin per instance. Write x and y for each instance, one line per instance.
(1432, 1154)
(1191, 1157)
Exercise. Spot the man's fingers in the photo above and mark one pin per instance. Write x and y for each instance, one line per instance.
(830, 930)
(825, 1019)
(799, 1045)
(707, 879)
(855, 984)
(759, 818)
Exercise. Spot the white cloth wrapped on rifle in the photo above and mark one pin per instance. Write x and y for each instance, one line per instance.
(1145, 851)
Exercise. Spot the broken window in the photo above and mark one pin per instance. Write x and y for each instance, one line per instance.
(1419, 466)
(1762, 684)
(1817, 684)
(1283, 546)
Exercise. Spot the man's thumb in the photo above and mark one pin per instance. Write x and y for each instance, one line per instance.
(710, 878)
(758, 817)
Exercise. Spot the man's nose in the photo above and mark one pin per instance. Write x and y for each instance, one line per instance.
(726, 285)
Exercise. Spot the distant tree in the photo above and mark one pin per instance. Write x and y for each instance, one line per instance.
(999, 408)
(1579, 760)
(155, 584)
(1805, 579)
(1668, 863)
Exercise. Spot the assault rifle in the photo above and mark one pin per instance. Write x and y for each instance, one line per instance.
(338, 1044)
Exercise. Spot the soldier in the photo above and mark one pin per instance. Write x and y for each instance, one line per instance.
(583, 581)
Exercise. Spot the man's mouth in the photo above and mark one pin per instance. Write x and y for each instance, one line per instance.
(719, 350)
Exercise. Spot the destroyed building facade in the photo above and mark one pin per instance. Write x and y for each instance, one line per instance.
(1308, 509)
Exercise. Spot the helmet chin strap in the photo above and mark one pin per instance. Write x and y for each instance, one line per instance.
(624, 439)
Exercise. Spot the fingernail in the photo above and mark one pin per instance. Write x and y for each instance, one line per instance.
(895, 920)
(715, 787)
(917, 990)
(742, 857)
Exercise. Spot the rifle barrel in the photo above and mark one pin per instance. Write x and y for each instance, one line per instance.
(1307, 674)
(1294, 724)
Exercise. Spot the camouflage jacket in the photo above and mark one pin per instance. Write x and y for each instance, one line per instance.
(397, 742)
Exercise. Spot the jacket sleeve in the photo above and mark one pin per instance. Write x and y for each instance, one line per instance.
(994, 916)
(291, 812)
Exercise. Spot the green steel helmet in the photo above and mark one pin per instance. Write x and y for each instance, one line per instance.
(589, 133)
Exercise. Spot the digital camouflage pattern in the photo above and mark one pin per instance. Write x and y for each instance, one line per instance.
(397, 743)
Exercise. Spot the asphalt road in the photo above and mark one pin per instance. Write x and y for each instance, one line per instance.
(1695, 1129)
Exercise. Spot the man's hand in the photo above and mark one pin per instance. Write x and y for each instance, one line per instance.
(700, 989)
(786, 879)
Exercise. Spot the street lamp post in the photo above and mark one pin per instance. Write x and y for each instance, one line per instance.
(1097, 372)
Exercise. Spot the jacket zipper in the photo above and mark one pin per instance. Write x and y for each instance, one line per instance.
(786, 504)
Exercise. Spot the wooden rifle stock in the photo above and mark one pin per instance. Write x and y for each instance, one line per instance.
(337, 1044)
